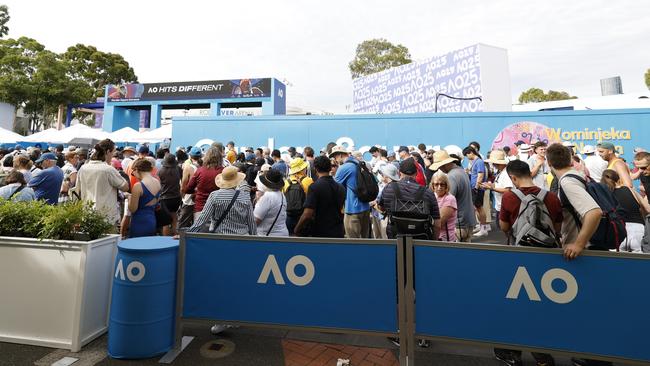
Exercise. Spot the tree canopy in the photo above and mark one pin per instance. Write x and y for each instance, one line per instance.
(98, 68)
(4, 19)
(647, 78)
(39, 80)
(536, 95)
(377, 55)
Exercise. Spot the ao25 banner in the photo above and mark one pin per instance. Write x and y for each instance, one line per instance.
(238, 88)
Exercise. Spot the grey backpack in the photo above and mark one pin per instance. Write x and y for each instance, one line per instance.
(534, 227)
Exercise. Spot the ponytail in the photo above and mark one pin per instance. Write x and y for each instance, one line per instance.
(101, 149)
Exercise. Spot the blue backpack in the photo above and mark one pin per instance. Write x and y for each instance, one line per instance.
(611, 228)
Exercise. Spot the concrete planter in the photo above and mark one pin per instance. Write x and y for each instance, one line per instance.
(55, 293)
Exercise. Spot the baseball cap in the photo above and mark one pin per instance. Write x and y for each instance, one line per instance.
(195, 151)
(143, 149)
(403, 148)
(46, 156)
(607, 146)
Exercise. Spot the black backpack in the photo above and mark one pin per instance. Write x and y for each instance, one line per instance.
(367, 186)
(611, 228)
(295, 196)
(411, 217)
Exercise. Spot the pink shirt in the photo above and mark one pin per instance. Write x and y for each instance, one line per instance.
(448, 200)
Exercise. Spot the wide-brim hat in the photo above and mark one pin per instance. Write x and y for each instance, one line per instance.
(440, 158)
(525, 148)
(390, 171)
(130, 148)
(498, 157)
(297, 165)
(338, 149)
(230, 177)
(272, 180)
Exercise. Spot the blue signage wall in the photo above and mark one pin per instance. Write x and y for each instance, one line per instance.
(306, 284)
(624, 128)
(593, 305)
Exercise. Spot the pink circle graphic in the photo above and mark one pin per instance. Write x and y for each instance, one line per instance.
(527, 131)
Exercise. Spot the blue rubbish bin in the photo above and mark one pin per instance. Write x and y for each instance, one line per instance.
(141, 322)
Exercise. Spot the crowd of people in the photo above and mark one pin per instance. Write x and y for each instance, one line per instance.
(548, 196)
(262, 192)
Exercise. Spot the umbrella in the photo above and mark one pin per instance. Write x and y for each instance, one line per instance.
(9, 137)
(84, 141)
(80, 131)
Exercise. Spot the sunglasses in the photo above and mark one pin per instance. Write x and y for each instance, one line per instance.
(643, 167)
(439, 184)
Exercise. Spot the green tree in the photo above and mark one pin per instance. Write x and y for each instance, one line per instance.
(377, 55)
(37, 80)
(4, 19)
(536, 95)
(97, 68)
(647, 78)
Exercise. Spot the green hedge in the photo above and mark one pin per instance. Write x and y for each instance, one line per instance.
(35, 219)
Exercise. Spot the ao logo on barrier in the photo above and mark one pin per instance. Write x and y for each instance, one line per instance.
(134, 271)
(271, 267)
(522, 279)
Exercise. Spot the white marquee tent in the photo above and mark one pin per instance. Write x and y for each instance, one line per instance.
(9, 137)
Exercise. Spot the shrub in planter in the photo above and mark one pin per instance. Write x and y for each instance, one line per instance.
(69, 221)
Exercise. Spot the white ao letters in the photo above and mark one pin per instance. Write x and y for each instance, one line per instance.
(133, 276)
(271, 267)
(522, 279)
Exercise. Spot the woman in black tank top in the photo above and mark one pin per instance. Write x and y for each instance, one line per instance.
(635, 211)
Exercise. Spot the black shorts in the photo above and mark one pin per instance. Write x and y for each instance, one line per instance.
(477, 197)
(171, 204)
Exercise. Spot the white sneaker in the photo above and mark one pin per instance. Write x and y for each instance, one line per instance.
(218, 328)
(480, 233)
(488, 227)
(477, 228)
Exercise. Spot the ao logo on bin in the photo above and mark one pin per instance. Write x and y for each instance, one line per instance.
(522, 279)
(271, 267)
(134, 271)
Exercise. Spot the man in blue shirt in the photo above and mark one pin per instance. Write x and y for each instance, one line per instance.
(47, 184)
(477, 176)
(279, 164)
(357, 213)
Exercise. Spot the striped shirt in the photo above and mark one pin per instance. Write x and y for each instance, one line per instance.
(238, 221)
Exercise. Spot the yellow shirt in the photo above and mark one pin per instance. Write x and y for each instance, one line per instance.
(305, 182)
(231, 156)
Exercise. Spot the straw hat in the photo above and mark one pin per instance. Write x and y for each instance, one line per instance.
(297, 165)
(338, 149)
(440, 158)
(498, 157)
(230, 177)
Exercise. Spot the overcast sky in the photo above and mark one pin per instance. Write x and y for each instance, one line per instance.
(560, 45)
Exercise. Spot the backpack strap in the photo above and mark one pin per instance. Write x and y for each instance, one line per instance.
(564, 200)
(541, 195)
(22, 186)
(276, 216)
(225, 213)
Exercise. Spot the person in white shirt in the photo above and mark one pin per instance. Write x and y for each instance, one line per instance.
(98, 182)
(271, 209)
(538, 165)
(594, 163)
(502, 182)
